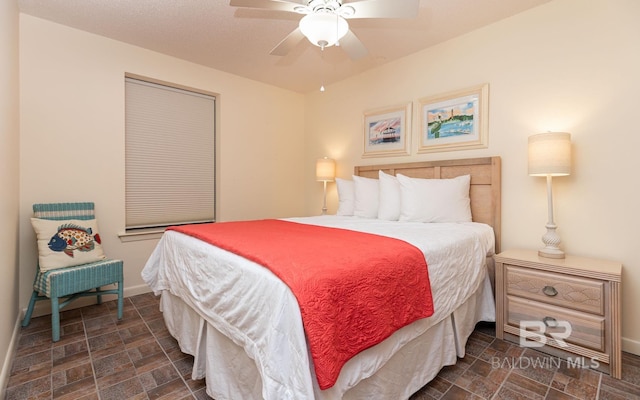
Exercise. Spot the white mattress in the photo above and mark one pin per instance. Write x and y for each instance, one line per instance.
(256, 311)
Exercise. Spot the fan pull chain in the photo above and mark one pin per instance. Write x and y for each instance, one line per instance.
(321, 69)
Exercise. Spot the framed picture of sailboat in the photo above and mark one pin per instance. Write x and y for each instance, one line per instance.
(387, 131)
(455, 120)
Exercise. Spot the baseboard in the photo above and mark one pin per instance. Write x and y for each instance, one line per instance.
(5, 373)
(136, 290)
(44, 307)
(631, 346)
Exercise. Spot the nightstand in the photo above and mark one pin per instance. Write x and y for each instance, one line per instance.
(567, 307)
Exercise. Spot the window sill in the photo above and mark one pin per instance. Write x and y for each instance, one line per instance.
(126, 237)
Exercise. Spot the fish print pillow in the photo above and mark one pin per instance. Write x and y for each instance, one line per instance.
(67, 243)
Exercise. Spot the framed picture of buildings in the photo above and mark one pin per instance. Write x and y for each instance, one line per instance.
(455, 120)
(387, 131)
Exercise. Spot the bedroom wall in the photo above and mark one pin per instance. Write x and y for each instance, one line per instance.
(72, 137)
(9, 166)
(568, 65)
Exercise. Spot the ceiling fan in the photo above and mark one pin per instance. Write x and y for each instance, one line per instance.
(325, 21)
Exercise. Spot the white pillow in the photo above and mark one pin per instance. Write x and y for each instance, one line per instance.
(366, 203)
(389, 200)
(346, 196)
(435, 200)
(67, 243)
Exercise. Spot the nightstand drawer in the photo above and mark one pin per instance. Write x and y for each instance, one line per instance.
(582, 294)
(586, 330)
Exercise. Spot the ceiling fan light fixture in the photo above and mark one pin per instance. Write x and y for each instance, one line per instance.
(346, 11)
(323, 29)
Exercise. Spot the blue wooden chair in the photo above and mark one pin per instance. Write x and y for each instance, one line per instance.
(64, 285)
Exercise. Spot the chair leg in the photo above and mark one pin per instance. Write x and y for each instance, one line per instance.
(32, 303)
(55, 319)
(99, 295)
(120, 298)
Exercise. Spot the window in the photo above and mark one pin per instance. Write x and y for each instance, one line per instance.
(169, 155)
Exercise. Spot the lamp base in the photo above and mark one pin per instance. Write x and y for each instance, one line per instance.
(551, 253)
(551, 241)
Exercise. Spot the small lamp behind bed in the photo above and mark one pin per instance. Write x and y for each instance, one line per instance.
(325, 172)
(550, 155)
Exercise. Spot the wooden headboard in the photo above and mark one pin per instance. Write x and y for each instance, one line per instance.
(485, 191)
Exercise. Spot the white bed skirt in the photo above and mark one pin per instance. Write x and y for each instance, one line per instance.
(232, 374)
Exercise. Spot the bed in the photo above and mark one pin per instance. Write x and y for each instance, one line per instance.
(244, 327)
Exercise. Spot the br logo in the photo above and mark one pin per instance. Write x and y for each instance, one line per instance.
(535, 332)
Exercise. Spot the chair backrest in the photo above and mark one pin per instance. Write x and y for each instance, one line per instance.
(62, 211)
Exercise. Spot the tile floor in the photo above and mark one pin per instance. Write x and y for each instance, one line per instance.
(99, 357)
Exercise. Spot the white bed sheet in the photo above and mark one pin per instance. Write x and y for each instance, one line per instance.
(258, 312)
(231, 374)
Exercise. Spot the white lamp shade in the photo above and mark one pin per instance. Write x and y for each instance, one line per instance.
(550, 154)
(323, 29)
(325, 169)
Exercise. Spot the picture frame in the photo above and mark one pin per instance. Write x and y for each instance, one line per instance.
(387, 131)
(456, 120)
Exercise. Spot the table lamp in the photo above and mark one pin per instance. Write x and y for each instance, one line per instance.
(325, 172)
(549, 156)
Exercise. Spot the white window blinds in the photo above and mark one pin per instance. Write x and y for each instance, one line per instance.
(169, 155)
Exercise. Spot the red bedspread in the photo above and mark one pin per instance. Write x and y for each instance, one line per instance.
(354, 289)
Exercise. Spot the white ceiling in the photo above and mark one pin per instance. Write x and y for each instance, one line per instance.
(238, 40)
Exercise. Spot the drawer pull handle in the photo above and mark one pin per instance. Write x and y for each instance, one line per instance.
(550, 322)
(549, 291)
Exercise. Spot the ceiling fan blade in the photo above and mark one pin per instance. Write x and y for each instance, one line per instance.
(278, 5)
(287, 44)
(383, 8)
(353, 46)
